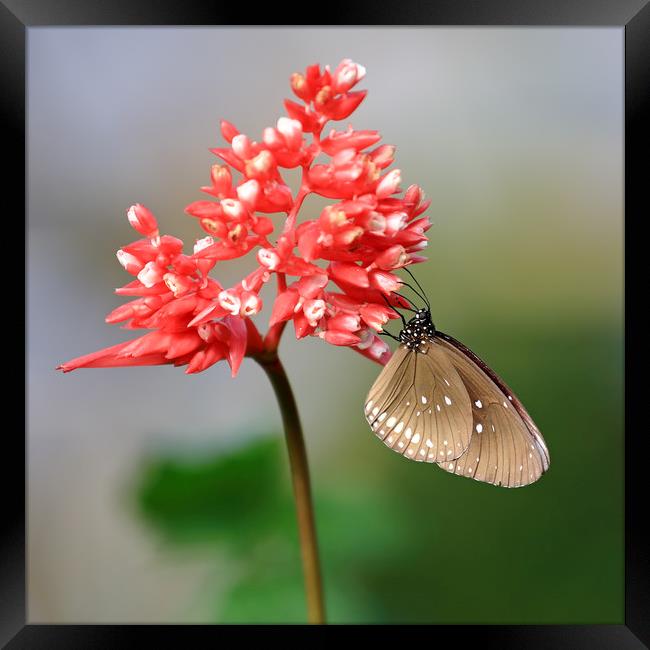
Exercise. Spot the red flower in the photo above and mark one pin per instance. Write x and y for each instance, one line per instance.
(366, 234)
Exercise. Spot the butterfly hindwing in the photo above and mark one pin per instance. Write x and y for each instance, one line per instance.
(419, 407)
(506, 447)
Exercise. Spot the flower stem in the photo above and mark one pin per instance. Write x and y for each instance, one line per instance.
(301, 486)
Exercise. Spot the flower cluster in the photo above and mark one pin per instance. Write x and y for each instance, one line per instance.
(361, 239)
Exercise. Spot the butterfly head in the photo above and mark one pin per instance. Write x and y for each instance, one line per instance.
(420, 329)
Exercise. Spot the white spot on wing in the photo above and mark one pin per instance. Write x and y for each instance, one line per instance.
(391, 422)
(424, 399)
(399, 427)
(416, 438)
(479, 404)
(479, 428)
(447, 401)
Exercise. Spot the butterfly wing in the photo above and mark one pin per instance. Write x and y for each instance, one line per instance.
(419, 407)
(506, 447)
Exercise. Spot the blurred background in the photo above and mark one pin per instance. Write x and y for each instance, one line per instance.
(159, 497)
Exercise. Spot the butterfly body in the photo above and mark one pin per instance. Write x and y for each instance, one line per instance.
(436, 401)
(418, 331)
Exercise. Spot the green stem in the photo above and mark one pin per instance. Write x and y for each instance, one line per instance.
(301, 486)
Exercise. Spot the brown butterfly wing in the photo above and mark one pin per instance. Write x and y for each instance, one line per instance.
(506, 448)
(419, 407)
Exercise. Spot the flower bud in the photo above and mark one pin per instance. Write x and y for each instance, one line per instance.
(241, 146)
(384, 281)
(203, 243)
(230, 302)
(214, 227)
(291, 130)
(346, 75)
(367, 338)
(337, 337)
(228, 130)
(272, 139)
(344, 322)
(237, 233)
(151, 274)
(263, 226)
(283, 307)
(221, 180)
(344, 106)
(233, 209)
(268, 258)
(300, 87)
(383, 156)
(261, 165)
(130, 262)
(314, 310)
(392, 258)
(142, 220)
(248, 193)
(395, 222)
(204, 330)
(349, 273)
(177, 284)
(251, 304)
(375, 315)
(389, 184)
(376, 223)
(279, 195)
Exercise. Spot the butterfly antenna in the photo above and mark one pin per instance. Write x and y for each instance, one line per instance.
(414, 290)
(385, 333)
(424, 296)
(407, 300)
(395, 310)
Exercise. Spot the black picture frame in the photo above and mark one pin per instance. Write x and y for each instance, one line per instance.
(18, 16)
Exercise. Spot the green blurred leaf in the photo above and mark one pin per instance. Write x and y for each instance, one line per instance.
(232, 497)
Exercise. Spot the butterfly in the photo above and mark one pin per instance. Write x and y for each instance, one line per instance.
(436, 401)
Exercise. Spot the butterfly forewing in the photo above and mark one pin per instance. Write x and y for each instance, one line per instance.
(419, 407)
(506, 447)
